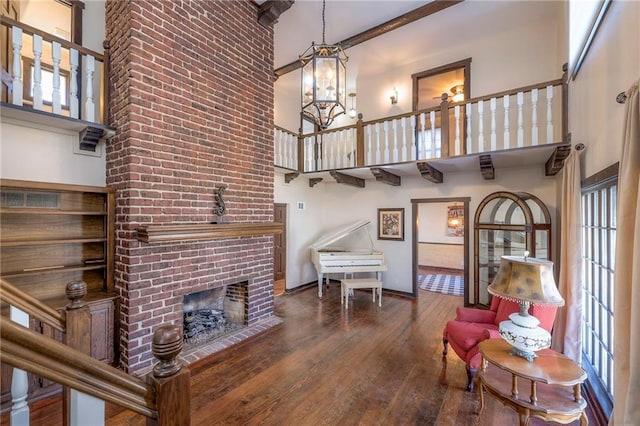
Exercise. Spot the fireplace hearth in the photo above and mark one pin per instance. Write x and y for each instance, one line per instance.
(211, 314)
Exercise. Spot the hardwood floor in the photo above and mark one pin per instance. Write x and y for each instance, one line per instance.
(325, 365)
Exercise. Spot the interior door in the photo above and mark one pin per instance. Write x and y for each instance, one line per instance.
(280, 243)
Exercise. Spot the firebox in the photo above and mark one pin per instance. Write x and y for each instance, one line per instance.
(211, 314)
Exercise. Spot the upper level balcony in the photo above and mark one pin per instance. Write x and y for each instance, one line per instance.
(51, 81)
(522, 126)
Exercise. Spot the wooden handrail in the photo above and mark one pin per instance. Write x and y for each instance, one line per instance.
(32, 306)
(50, 37)
(33, 352)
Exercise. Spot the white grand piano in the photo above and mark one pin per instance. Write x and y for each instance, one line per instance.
(328, 260)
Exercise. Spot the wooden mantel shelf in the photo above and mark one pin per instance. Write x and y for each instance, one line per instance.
(205, 231)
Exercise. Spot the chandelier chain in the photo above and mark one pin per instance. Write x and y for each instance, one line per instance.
(324, 4)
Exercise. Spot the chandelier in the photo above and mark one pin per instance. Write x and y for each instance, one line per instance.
(323, 81)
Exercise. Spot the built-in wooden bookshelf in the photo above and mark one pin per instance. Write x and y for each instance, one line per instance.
(52, 234)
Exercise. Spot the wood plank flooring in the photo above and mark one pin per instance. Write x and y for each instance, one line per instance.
(325, 365)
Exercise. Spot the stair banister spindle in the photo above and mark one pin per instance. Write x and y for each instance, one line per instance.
(520, 98)
(16, 42)
(73, 84)
(469, 131)
(90, 109)
(549, 114)
(534, 117)
(396, 152)
(378, 142)
(406, 150)
(19, 380)
(493, 124)
(507, 136)
(420, 135)
(415, 142)
(480, 126)
(432, 118)
(457, 144)
(369, 145)
(56, 57)
(37, 72)
(387, 151)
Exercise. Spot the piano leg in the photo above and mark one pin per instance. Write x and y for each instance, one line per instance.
(320, 285)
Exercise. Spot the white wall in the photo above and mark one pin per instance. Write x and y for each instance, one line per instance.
(34, 152)
(612, 65)
(329, 205)
(432, 218)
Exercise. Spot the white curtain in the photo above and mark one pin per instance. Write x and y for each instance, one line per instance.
(567, 329)
(626, 353)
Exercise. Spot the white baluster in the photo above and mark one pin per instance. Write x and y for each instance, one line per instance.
(387, 158)
(520, 120)
(458, 145)
(507, 136)
(405, 154)
(549, 114)
(73, 84)
(422, 143)
(89, 108)
(433, 150)
(37, 72)
(378, 153)
(56, 57)
(369, 145)
(414, 137)
(469, 140)
(493, 124)
(396, 152)
(534, 117)
(480, 126)
(16, 42)
(19, 383)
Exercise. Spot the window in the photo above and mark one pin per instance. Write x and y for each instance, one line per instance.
(46, 72)
(598, 249)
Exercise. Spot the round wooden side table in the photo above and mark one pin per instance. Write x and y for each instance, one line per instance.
(552, 381)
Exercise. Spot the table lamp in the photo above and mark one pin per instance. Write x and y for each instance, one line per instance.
(527, 281)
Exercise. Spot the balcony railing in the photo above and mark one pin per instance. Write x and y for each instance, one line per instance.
(50, 74)
(523, 117)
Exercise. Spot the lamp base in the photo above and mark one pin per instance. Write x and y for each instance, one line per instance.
(522, 332)
(529, 356)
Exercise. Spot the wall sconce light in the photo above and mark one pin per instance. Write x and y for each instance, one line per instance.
(393, 95)
(352, 111)
(458, 93)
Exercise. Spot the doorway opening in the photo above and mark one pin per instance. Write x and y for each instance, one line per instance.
(441, 246)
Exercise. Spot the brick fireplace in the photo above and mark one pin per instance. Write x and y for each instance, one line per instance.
(191, 87)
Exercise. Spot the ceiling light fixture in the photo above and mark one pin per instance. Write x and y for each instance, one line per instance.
(323, 80)
(458, 93)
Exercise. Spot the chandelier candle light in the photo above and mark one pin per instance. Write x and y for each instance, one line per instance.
(526, 281)
(323, 81)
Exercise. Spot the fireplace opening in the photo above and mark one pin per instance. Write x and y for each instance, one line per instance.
(211, 314)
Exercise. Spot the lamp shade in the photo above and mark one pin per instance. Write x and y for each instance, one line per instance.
(526, 279)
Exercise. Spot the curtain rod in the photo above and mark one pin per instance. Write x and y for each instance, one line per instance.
(621, 98)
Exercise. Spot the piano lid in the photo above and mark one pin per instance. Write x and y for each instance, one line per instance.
(338, 234)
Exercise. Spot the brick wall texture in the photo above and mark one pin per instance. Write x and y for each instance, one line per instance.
(192, 100)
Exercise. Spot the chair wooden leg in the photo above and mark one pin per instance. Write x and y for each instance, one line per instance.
(445, 344)
(471, 374)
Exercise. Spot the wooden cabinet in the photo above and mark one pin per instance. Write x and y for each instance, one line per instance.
(51, 234)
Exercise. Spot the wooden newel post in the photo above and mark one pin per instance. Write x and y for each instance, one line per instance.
(171, 381)
(359, 142)
(444, 126)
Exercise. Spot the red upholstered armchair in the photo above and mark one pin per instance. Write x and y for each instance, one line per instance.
(471, 326)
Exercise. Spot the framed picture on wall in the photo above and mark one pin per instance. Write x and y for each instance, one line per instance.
(391, 224)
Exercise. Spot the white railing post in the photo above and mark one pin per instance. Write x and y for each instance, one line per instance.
(480, 126)
(406, 155)
(396, 152)
(469, 130)
(434, 148)
(387, 158)
(549, 114)
(458, 143)
(90, 109)
(534, 117)
(378, 153)
(19, 383)
(73, 84)
(520, 120)
(493, 124)
(369, 145)
(56, 57)
(421, 135)
(37, 72)
(16, 42)
(506, 142)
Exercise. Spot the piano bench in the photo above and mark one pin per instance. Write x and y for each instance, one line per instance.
(351, 283)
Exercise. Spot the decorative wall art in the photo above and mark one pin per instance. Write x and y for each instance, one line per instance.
(391, 224)
(455, 221)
